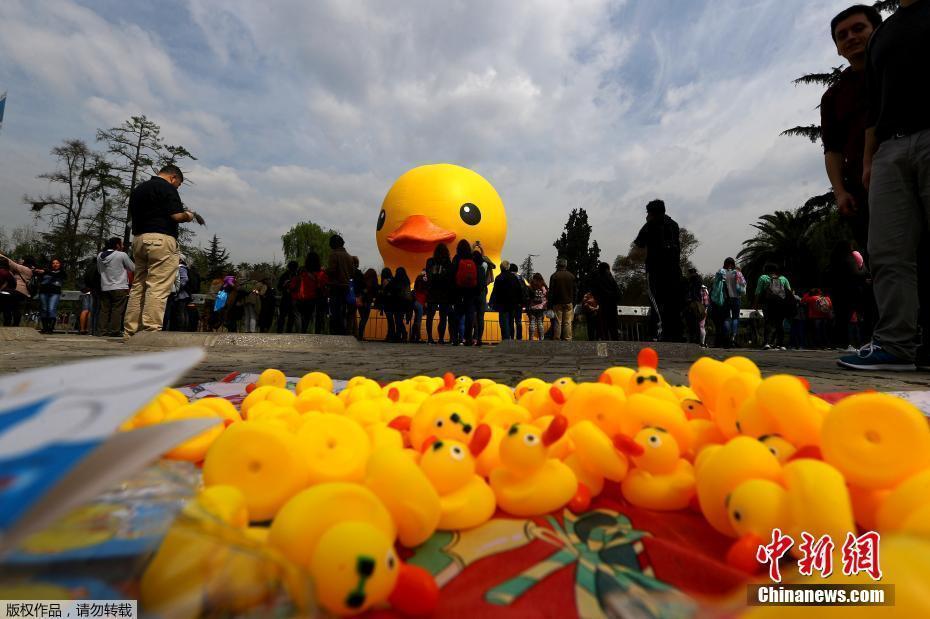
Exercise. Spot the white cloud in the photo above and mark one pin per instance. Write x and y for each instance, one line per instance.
(309, 110)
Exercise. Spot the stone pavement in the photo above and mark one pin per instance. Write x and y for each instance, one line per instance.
(508, 363)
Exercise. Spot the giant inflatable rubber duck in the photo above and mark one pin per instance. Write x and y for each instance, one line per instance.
(438, 203)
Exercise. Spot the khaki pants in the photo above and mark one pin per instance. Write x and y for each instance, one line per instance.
(156, 258)
(564, 313)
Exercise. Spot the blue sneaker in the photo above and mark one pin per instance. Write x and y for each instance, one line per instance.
(872, 357)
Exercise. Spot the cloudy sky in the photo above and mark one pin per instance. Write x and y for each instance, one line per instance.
(303, 110)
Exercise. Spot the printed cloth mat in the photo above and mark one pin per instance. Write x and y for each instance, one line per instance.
(614, 560)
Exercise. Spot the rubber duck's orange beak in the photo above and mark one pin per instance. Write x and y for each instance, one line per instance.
(742, 554)
(555, 431)
(475, 390)
(648, 358)
(480, 439)
(401, 423)
(605, 379)
(416, 592)
(419, 234)
(428, 443)
(628, 446)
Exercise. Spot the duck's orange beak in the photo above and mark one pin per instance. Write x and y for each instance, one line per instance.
(419, 234)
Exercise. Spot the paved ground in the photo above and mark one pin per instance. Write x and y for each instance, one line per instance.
(391, 361)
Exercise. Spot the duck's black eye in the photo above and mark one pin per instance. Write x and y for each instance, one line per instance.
(470, 214)
(640, 380)
(381, 217)
(737, 516)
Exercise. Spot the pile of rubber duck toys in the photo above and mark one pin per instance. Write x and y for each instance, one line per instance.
(332, 482)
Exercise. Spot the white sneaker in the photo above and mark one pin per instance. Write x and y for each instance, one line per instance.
(852, 349)
(766, 347)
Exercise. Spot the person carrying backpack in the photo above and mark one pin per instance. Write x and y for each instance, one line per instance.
(537, 305)
(775, 294)
(485, 279)
(819, 315)
(505, 299)
(466, 273)
(440, 287)
(309, 292)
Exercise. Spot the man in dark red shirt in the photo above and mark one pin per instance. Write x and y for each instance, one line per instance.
(843, 112)
(896, 171)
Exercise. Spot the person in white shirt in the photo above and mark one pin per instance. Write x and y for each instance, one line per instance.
(114, 266)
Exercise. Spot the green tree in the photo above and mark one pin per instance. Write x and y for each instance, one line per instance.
(526, 268)
(66, 207)
(782, 238)
(23, 241)
(573, 245)
(136, 147)
(688, 243)
(217, 259)
(304, 238)
(107, 186)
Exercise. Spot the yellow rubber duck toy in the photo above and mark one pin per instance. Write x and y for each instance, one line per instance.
(465, 499)
(603, 405)
(812, 498)
(877, 442)
(263, 460)
(499, 418)
(336, 448)
(406, 492)
(647, 374)
(445, 415)
(595, 457)
(719, 469)
(616, 376)
(529, 483)
(344, 536)
(659, 413)
(529, 384)
(539, 402)
(661, 479)
(438, 203)
(706, 377)
(788, 404)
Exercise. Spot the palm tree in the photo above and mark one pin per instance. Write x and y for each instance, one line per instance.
(782, 238)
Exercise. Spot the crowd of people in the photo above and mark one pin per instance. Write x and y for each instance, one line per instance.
(876, 138)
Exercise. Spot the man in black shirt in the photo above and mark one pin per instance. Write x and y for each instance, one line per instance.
(896, 171)
(156, 210)
(660, 240)
(843, 118)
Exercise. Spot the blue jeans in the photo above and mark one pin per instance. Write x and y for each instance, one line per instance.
(337, 310)
(731, 319)
(465, 311)
(444, 310)
(505, 318)
(417, 317)
(480, 309)
(48, 305)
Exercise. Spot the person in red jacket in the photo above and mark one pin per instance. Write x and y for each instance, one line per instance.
(819, 316)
